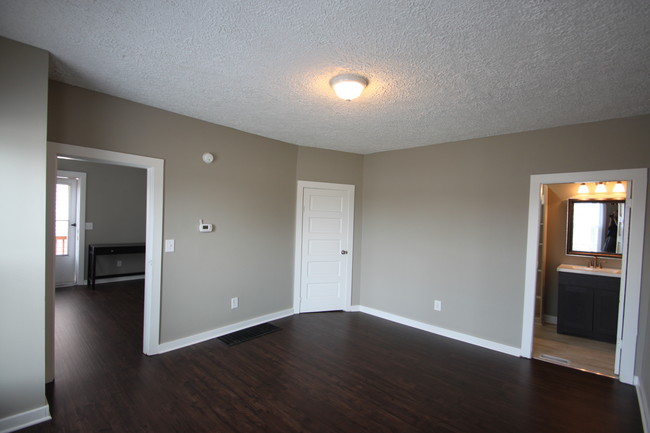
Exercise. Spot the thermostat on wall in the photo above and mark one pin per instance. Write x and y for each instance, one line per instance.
(204, 227)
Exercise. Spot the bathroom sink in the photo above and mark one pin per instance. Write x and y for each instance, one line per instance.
(577, 269)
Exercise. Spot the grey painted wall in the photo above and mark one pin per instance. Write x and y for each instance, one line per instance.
(449, 222)
(558, 195)
(248, 193)
(116, 199)
(442, 222)
(23, 123)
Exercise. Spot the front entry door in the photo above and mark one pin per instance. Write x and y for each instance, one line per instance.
(66, 231)
(326, 247)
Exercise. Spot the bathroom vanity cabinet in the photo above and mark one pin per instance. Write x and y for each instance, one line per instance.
(588, 304)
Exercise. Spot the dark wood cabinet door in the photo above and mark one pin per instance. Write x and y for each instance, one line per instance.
(575, 310)
(606, 314)
(588, 306)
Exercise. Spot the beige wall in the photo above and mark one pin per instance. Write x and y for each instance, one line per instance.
(116, 198)
(558, 195)
(23, 122)
(248, 193)
(449, 222)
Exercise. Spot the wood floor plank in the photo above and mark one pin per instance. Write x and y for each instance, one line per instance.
(581, 353)
(323, 372)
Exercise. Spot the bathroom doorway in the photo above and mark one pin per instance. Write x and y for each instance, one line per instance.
(630, 263)
(578, 342)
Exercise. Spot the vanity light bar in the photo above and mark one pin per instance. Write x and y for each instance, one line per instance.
(601, 187)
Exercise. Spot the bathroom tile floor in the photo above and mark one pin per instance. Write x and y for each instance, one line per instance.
(582, 353)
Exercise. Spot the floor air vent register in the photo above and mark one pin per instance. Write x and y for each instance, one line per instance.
(248, 334)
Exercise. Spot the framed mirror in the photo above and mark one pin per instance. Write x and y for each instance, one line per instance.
(595, 227)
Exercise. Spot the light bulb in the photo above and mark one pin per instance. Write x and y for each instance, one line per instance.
(583, 189)
(601, 187)
(619, 187)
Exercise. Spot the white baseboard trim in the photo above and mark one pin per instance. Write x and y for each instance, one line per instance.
(550, 319)
(214, 333)
(487, 344)
(25, 419)
(354, 308)
(643, 405)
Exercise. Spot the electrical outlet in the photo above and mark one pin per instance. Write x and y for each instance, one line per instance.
(437, 305)
(119, 263)
(234, 303)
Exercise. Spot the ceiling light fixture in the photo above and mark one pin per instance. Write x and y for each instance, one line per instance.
(583, 188)
(601, 187)
(619, 187)
(348, 86)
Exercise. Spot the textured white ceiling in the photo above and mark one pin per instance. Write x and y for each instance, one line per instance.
(439, 71)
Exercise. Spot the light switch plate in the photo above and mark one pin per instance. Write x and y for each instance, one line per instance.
(89, 226)
(169, 245)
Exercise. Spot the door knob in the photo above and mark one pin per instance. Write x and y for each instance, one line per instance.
(74, 224)
(344, 251)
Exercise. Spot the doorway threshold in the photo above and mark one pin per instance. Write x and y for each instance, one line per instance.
(575, 352)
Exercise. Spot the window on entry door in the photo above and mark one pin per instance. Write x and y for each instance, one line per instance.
(62, 213)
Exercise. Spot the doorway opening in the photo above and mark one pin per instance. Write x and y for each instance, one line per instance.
(70, 206)
(577, 231)
(153, 232)
(626, 313)
(323, 250)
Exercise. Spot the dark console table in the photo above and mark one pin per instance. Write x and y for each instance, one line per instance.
(95, 250)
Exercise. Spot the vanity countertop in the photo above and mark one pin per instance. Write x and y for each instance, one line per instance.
(577, 269)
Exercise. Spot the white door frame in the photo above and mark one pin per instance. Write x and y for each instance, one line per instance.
(154, 229)
(631, 266)
(302, 184)
(80, 260)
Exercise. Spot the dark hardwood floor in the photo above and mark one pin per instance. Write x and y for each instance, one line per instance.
(324, 372)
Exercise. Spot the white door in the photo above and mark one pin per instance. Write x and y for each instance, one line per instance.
(66, 231)
(326, 247)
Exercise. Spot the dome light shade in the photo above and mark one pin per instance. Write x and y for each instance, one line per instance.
(348, 86)
(601, 187)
